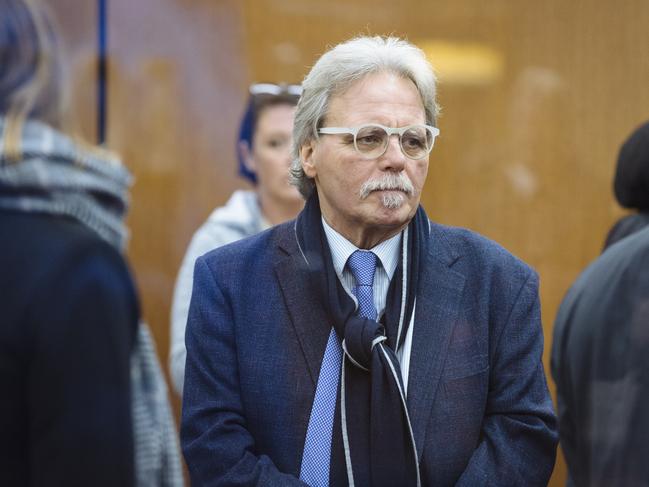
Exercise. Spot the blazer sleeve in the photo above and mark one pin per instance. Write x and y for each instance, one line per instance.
(218, 448)
(519, 439)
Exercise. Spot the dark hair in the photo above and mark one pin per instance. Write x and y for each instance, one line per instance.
(257, 103)
(631, 184)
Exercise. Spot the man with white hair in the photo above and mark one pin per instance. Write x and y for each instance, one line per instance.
(363, 344)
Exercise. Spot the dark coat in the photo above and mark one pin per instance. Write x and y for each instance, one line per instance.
(601, 367)
(68, 319)
(477, 395)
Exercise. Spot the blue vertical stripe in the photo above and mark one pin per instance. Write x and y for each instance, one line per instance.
(316, 456)
(102, 49)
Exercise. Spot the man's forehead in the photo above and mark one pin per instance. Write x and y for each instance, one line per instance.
(379, 96)
(379, 78)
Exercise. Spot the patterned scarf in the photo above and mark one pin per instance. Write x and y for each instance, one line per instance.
(372, 440)
(56, 176)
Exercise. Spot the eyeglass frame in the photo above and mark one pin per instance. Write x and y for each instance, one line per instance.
(389, 130)
(275, 89)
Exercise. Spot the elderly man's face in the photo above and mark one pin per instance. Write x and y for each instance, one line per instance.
(340, 172)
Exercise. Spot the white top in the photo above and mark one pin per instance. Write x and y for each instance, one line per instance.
(388, 253)
(240, 217)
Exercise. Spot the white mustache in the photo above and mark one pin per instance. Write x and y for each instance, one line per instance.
(389, 182)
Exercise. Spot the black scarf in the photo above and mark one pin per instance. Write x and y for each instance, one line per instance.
(372, 442)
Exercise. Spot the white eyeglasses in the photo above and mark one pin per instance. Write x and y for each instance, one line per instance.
(273, 89)
(371, 140)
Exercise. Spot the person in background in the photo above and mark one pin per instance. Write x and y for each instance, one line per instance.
(600, 340)
(601, 368)
(264, 158)
(362, 343)
(82, 398)
(631, 185)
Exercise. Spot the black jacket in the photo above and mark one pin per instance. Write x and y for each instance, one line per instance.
(68, 317)
(601, 367)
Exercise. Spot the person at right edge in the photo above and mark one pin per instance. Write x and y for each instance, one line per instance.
(599, 356)
(601, 368)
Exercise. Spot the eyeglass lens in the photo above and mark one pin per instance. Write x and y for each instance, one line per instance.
(416, 142)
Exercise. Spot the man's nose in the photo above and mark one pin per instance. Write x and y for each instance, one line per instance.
(393, 159)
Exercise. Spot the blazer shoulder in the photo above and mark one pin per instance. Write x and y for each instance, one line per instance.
(44, 245)
(622, 267)
(469, 249)
(250, 251)
(51, 261)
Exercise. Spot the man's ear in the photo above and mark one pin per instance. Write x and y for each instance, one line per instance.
(247, 157)
(307, 156)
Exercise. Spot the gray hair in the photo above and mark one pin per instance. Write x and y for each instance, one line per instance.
(341, 67)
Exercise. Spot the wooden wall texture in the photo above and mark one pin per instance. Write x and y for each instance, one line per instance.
(536, 97)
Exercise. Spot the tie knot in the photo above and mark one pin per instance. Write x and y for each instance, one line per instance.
(362, 263)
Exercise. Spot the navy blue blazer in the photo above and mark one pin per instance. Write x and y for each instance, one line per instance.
(477, 395)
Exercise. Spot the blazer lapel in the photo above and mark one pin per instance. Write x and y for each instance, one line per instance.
(307, 315)
(438, 303)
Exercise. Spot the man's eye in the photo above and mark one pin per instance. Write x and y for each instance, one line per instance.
(413, 142)
(369, 140)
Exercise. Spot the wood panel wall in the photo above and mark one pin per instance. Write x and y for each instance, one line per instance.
(526, 153)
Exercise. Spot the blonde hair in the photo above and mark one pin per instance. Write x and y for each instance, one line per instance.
(31, 84)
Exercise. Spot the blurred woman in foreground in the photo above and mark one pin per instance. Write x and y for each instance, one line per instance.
(82, 399)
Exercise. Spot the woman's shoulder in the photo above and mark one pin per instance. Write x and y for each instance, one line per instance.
(43, 250)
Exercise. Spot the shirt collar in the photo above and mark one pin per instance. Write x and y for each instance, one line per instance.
(387, 251)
